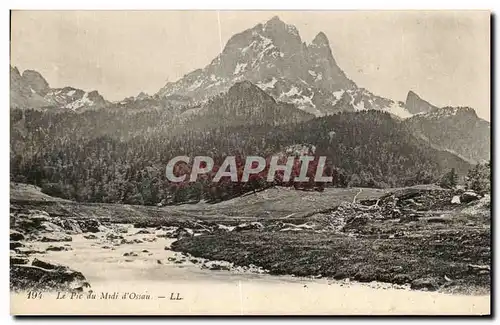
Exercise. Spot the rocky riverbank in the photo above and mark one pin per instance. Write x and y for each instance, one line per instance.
(423, 238)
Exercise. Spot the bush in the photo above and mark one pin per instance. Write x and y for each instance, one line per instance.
(479, 178)
(449, 180)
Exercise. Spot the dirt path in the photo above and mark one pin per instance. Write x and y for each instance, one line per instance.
(356, 196)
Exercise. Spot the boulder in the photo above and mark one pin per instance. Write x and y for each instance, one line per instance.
(111, 236)
(408, 218)
(90, 236)
(69, 225)
(15, 244)
(51, 227)
(31, 221)
(28, 251)
(356, 221)
(143, 232)
(32, 277)
(55, 237)
(293, 227)
(16, 235)
(170, 232)
(478, 268)
(455, 199)
(217, 266)
(184, 232)
(469, 196)
(224, 228)
(48, 265)
(121, 229)
(249, 226)
(89, 225)
(19, 259)
(39, 216)
(425, 283)
(58, 248)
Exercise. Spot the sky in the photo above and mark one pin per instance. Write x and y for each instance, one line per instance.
(442, 56)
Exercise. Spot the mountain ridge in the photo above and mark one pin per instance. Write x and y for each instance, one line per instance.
(457, 129)
(31, 90)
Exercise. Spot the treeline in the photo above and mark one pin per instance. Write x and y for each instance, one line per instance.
(104, 156)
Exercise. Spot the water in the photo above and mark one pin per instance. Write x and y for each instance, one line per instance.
(219, 292)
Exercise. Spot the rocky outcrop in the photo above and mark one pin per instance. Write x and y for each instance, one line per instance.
(45, 276)
(469, 196)
(414, 104)
(19, 259)
(16, 235)
(249, 226)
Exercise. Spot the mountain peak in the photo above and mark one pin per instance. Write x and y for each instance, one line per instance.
(36, 81)
(414, 104)
(247, 87)
(321, 39)
(275, 20)
(15, 71)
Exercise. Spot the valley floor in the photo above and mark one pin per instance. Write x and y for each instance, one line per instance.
(343, 251)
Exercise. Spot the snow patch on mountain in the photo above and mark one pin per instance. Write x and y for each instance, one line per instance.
(360, 106)
(240, 67)
(337, 94)
(444, 112)
(399, 110)
(293, 91)
(195, 85)
(267, 85)
(79, 103)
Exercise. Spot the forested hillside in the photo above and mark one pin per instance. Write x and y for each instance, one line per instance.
(103, 156)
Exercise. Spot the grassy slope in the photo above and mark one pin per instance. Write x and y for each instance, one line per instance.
(268, 205)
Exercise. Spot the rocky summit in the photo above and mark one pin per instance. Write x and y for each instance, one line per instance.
(414, 104)
(274, 57)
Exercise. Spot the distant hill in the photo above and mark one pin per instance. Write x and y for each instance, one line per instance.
(245, 104)
(456, 129)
